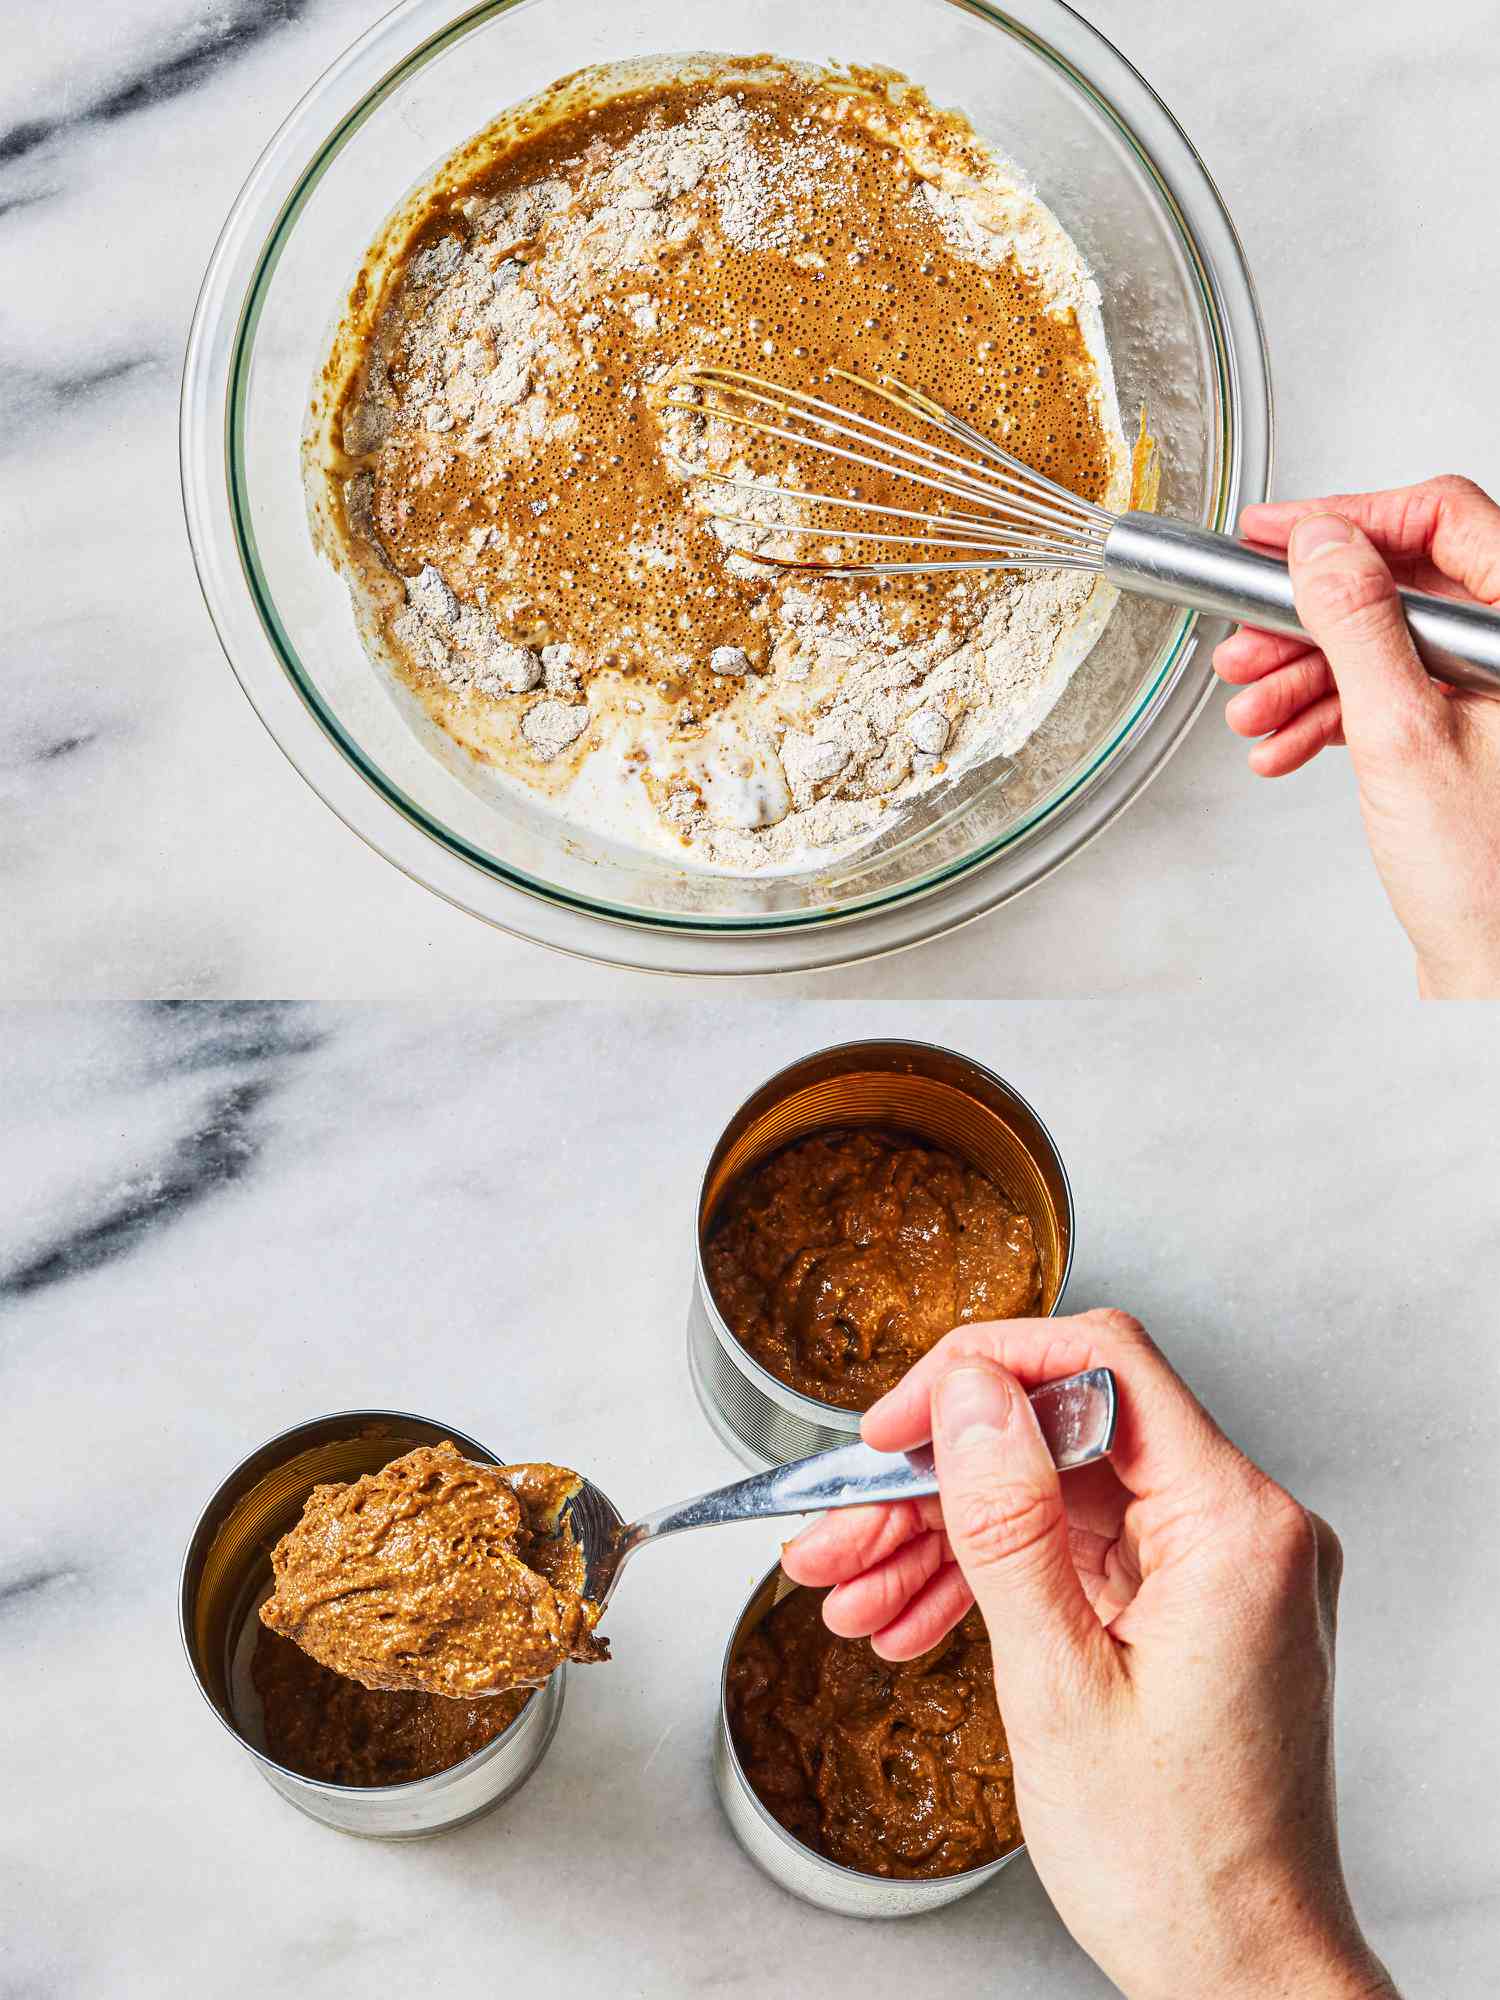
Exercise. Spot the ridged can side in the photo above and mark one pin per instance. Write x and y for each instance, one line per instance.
(226, 1575)
(933, 1093)
(792, 1866)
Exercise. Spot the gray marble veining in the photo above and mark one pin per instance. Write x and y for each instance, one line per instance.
(154, 841)
(218, 1220)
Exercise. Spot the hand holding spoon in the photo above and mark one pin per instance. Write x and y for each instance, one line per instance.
(1077, 1419)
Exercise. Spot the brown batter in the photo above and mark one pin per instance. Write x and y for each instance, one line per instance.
(437, 1576)
(841, 1259)
(887, 293)
(332, 1729)
(891, 1769)
(544, 495)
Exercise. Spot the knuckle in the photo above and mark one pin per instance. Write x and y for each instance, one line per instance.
(881, 1532)
(961, 1343)
(1121, 1326)
(1330, 1555)
(1354, 596)
(1005, 1523)
(1471, 536)
(1284, 1536)
(1454, 486)
(1121, 1333)
(1308, 679)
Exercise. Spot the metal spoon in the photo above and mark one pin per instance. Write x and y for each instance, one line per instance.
(1076, 1415)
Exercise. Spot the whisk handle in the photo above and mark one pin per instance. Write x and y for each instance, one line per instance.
(1459, 643)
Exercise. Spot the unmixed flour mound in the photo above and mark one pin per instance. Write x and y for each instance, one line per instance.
(516, 507)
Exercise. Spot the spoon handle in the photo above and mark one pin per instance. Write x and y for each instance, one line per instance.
(1076, 1415)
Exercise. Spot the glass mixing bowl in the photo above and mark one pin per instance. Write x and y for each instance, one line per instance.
(1183, 327)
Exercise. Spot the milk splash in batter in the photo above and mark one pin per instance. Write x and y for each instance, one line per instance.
(491, 466)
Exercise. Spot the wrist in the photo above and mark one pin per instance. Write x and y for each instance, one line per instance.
(1470, 974)
(1351, 1973)
(1473, 982)
(1274, 1952)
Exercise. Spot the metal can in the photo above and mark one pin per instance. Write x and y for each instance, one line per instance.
(779, 1854)
(226, 1577)
(932, 1093)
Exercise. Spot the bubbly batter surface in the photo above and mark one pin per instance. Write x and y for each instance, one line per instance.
(437, 1576)
(537, 566)
(841, 1259)
(896, 1770)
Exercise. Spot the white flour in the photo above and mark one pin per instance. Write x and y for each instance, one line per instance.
(846, 718)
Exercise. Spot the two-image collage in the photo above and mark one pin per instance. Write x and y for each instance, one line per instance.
(752, 802)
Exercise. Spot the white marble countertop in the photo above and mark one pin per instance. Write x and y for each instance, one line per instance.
(1354, 146)
(217, 1221)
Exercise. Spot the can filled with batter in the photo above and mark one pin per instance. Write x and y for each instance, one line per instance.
(241, 1669)
(891, 1091)
(790, 1862)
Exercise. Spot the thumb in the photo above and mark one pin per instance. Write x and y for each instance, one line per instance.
(1003, 1513)
(1347, 599)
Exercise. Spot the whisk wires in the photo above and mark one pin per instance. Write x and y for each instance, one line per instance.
(1011, 517)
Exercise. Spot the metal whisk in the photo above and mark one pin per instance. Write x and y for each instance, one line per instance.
(1015, 518)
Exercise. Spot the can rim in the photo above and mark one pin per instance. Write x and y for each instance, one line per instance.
(838, 1416)
(837, 1869)
(435, 1779)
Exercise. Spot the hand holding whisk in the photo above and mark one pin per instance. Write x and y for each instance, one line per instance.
(1012, 517)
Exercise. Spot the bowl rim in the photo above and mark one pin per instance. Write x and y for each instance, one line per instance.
(267, 667)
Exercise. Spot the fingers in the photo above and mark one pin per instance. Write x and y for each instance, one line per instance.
(1249, 654)
(1002, 1503)
(870, 1602)
(1346, 598)
(1096, 1501)
(1300, 741)
(1401, 529)
(930, 1616)
(1090, 1553)
(1281, 695)
(1114, 1591)
(1164, 1438)
(1451, 519)
(851, 1540)
(1466, 537)
(1294, 705)
(1036, 1350)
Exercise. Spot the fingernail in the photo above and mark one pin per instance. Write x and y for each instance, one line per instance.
(971, 1402)
(1319, 531)
(878, 1404)
(802, 1535)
